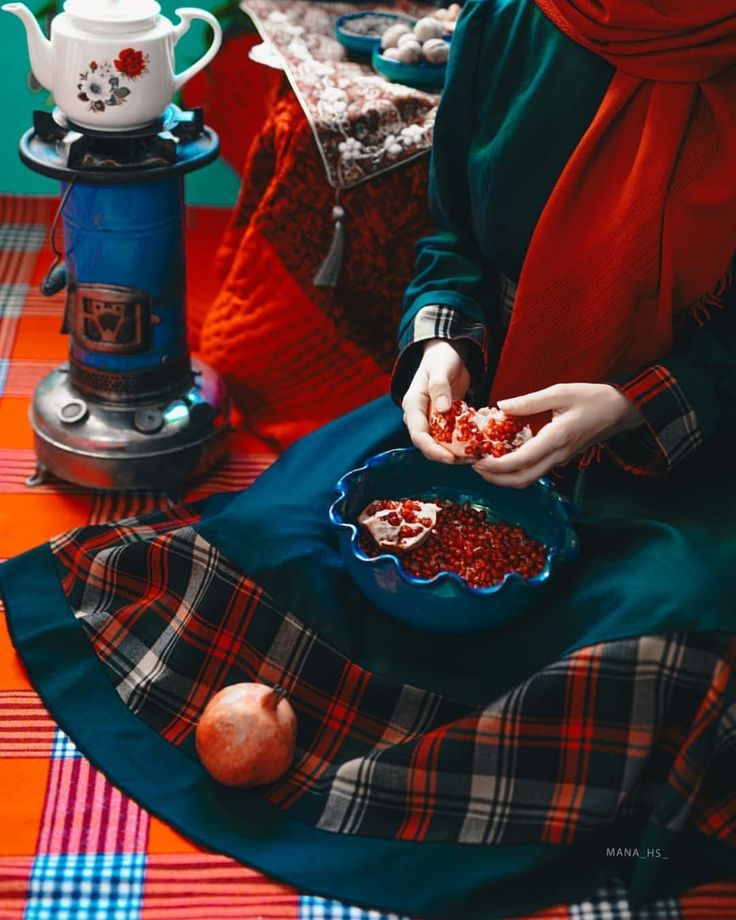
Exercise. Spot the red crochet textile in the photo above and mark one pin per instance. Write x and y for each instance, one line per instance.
(296, 356)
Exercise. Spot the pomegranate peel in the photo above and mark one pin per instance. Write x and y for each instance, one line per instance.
(400, 524)
(246, 735)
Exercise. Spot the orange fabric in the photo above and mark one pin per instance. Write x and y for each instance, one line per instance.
(295, 356)
(287, 368)
(234, 92)
(642, 222)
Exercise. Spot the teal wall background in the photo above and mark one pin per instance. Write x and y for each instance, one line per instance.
(216, 184)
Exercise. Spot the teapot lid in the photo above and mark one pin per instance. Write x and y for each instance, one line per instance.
(112, 13)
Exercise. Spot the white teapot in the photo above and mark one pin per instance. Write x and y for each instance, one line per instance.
(110, 63)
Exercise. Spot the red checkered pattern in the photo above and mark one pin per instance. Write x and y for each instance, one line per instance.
(671, 431)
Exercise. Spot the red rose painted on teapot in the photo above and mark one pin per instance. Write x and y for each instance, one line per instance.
(131, 63)
(110, 63)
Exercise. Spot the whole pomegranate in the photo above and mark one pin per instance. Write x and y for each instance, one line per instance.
(474, 433)
(246, 735)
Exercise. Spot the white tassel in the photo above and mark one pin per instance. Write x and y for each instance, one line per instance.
(329, 273)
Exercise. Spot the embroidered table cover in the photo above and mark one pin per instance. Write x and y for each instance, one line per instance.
(363, 124)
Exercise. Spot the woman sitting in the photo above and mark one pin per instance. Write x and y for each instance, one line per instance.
(584, 189)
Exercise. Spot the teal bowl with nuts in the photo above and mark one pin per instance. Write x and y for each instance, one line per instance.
(422, 75)
(360, 33)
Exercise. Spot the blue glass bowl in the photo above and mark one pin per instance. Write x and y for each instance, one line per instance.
(446, 603)
(428, 77)
(363, 46)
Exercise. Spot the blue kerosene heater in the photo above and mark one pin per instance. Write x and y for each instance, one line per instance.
(130, 409)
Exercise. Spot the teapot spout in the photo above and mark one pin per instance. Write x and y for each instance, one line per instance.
(39, 47)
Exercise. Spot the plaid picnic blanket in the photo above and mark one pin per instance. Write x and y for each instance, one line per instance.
(74, 845)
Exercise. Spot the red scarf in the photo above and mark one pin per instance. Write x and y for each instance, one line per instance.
(642, 222)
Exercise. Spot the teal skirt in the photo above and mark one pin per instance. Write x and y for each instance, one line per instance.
(455, 776)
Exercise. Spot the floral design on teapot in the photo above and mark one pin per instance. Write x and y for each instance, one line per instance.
(101, 85)
(110, 63)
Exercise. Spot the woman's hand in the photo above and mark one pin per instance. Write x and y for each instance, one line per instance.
(582, 414)
(441, 377)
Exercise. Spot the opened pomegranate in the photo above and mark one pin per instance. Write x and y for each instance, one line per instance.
(246, 735)
(399, 524)
(474, 433)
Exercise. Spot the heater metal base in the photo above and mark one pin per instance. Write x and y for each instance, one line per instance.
(157, 445)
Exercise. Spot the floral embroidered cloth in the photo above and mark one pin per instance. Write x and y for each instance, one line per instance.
(362, 123)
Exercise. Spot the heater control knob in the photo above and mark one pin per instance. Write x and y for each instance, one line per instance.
(201, 413)
(148, 421)
(73, 411)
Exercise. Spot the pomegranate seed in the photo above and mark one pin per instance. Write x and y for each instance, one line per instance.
(475, 433)
(466, 541)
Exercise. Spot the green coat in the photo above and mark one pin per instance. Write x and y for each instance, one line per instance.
(519, 96)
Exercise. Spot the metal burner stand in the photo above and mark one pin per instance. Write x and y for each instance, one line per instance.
(130, 410)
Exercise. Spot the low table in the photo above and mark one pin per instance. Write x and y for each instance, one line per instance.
(335, 133)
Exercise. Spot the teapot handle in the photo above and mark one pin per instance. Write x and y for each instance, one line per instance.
(187, 14)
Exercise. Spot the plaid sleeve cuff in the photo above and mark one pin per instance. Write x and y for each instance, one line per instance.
(669, 431)
(438, 322)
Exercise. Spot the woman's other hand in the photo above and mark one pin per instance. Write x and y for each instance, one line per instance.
(582, 414)
(441, 377)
